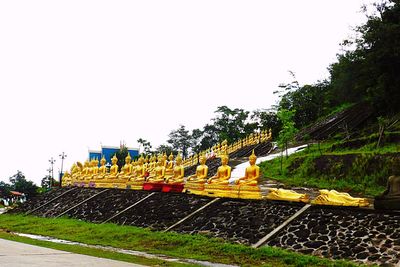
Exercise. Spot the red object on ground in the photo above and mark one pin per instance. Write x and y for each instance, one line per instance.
(16, 193)
(176, 188)
(153, 186)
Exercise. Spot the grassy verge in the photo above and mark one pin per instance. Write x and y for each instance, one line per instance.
(89, 251)
(171, 244)
(363, 170)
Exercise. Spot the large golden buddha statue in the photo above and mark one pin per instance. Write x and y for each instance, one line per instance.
(126, 170)
(159, 172)
(76, 171)
(152, 165)
(102, 172)
(85, 173)
(169, 169)
(140, 171)
(333, 197)
(286, 195)
(66, 179)
(201, 172)
(178, 172)
(94, 169)
(113, 169)
(223, 172)
(252, 173)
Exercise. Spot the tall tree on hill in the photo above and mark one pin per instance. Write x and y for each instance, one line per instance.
(121, 155)
(20, 184)
(232, 124)
(145, 144)
(372, 69)
(180, 140)
(288, 130)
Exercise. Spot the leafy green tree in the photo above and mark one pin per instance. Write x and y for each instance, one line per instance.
(121, 155)
(165, 149)
(180, 140)
(4, 189)
(20, 184)
(288, 130)
(232, 124)
(145, 144)
(46, 182)
(267, 119)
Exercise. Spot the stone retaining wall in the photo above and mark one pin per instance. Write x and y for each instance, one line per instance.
(241, 221)
(350, 233)
(334, 232)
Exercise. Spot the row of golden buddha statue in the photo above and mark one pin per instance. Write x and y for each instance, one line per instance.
(159, 170)
(223, 147)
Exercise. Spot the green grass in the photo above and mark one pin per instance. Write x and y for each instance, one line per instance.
(171, 244)
(90, 251)
(365, 176)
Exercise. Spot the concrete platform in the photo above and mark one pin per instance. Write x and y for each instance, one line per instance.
(15, 254)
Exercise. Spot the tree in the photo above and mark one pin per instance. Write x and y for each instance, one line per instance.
(165, 149)
(180, 140)
(46, 182)
(121, 154)
(267, 119)
(20, 184)
(145, 144)
(288, 130)
(232, 124)
(4, 189)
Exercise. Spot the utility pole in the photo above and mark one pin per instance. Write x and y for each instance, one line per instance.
(62, 156)
(52, 161)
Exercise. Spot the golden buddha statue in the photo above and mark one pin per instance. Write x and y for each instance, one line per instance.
(66, 179)
(252, 173)
(224, 147)
(286, 195)
(152, 165)
(102, 172)
(76, 171)
(85, 171)
(126, 170)
(169, 169)
(164, 160)
(178, 172)
(113, 169)
(140, 171)
(159, 172)
(201, 172)
(223, 172)
(333, 197)
(94, 169)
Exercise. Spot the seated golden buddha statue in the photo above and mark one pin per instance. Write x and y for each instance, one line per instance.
(252, 173)
(201, 172)
(159, 172)
(139, 171)
(164, 160)
(85, 173)
(113, 169)
(66, 179)
(126, 170)
(223, 172)
(332, 197)
(102, 172)
(152, 165)
(286, 195)
(94, 169)
(178, 172)
(76, 171)
(169, 169)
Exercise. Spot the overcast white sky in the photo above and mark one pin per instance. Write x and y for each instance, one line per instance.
(75, 74)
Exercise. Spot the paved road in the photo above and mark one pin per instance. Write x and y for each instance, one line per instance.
(15, 254)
